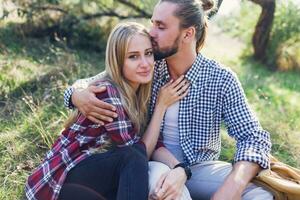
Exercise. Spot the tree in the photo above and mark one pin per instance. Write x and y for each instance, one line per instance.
(82, 22)
(263, 28)
(70, 13)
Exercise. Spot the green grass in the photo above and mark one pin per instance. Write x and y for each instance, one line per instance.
(33, 76)
(273, 95)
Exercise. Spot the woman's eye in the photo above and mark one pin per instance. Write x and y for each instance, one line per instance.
(149, 53)
(133, 57)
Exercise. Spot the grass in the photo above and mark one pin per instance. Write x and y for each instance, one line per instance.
(35, 72)
(272, 94)
(33, 76)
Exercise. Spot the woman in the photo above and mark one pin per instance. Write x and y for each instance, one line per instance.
(77, 166)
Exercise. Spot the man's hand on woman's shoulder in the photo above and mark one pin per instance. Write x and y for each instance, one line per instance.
(93, 108)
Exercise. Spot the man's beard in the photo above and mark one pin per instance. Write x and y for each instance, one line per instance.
(166, 52)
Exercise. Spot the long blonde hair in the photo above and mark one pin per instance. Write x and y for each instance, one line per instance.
(135, 103)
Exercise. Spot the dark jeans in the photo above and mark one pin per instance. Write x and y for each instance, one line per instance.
(120, 173)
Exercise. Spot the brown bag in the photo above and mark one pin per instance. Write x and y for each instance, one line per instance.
(281, 179)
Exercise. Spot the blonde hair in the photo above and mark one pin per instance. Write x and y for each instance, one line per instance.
(135, 103)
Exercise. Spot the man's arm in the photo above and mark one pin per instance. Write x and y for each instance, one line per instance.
(236, 182)
(253, 143)
(79, 84)
(83, 97)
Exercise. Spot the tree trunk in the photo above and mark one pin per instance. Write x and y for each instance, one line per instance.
(263, 28)
(215, 11)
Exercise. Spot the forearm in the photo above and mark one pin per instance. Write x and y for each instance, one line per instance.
(242, 173)
(151, 135)
(165, 156)
(77, 86)
(84, 83)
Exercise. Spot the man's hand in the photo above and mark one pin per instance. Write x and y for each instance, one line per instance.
(90, 106)
(170, 185)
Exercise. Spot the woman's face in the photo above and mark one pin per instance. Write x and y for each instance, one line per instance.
(139, 61)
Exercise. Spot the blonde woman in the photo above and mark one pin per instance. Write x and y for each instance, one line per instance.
(77, 167)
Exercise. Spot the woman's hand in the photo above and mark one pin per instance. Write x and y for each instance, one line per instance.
(170, 185)
(172, 92)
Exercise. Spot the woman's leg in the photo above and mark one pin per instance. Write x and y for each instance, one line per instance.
(73, 191)
(133, 184)
(117, 174)
(156, 169)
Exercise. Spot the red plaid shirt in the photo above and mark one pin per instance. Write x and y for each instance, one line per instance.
(76, 143)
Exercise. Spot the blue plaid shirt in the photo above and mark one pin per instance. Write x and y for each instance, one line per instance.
(215, 95)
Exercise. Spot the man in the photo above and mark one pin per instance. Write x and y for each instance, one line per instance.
(191, 128)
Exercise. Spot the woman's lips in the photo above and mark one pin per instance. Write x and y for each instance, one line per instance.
(145, 73)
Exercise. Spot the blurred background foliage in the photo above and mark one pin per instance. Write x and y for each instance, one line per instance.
(78, 22)
(282, 51)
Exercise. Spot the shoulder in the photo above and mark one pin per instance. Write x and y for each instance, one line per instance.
(219, 71)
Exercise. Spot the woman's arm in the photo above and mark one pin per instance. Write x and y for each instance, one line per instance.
(165, 156)
(168, 94)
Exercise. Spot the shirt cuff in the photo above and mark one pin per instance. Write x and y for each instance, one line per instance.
(67, 97)
(253, 155)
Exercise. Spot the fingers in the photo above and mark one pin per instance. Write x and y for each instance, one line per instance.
(154, 195)
(96, 89)
(168, 190)
(104, 105)
(171, 197)
(183, 83)
(168, 83)
(184, 94)
(180, 85)
(101, 117)
(160, 182)
(99, 103)
(183, 89)
(99, 110)
(178, 81)
(170, 193)
(161, 193)
(108, 114)
(161, 188)
(95, 120)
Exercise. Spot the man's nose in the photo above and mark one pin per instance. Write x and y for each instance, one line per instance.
(152, 32)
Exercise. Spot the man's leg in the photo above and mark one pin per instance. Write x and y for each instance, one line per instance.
(156, 169)
(209, 176)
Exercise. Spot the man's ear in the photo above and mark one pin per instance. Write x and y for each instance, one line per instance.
(189, 33)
